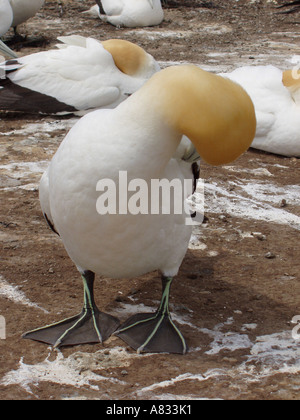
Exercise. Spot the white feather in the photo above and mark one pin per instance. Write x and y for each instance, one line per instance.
(132, 13)
(277, 109)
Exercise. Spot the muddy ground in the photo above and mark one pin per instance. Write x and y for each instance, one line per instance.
(238, 288)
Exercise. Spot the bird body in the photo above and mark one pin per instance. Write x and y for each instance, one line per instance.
(82, 74)
(131, 13)
(276, 97)
(140, 138)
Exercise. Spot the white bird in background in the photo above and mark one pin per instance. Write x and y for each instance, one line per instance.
(81, 75)
(140, 137)
(276, 97)
(130, 13)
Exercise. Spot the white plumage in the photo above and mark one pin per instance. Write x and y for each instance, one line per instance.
(131, 13)
(141, 137)
(82, 74)
(276, 97)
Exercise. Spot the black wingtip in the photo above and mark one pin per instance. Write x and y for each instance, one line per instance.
(101, 9)
(19, 99)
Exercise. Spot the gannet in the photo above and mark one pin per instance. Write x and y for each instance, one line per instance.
(140, 138)
(276, 97)
(130, 13)
(82, 74)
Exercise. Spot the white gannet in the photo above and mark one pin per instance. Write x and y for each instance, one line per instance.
(139, 138)
(81, 75)
(276, 98)
(130, 13)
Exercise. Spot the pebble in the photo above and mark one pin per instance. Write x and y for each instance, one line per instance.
(270, 255)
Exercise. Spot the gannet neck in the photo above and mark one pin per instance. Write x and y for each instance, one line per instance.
(128, 57)
(291, 80)
(216, 114)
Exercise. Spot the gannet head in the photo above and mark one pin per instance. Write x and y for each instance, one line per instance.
(130, 58)
(216, 114)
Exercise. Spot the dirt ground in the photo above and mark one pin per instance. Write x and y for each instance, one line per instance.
(238, 288)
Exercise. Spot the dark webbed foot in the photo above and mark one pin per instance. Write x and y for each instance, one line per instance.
(90, 326)
(154, 333)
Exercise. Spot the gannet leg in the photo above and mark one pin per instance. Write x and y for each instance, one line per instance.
(90, 326)
(154, 333)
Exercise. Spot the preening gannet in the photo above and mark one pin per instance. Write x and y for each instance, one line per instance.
(82, 74)
(139, 137)
(131, 13)
(276, 98)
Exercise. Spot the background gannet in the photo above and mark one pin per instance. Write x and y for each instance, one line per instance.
(276, 97)
(81, 75)
(131, 13)
(140, 137)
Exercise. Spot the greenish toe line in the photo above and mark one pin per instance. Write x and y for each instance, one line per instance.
(141, 348)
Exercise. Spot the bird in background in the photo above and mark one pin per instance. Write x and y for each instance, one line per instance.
(276, 97)
(82, 74)
(129, 13)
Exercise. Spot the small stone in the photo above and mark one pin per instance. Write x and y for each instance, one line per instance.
(270, 255)
(124, 372)
(283, 203)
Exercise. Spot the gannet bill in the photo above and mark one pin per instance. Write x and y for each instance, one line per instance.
(4, 49)
(139, 137)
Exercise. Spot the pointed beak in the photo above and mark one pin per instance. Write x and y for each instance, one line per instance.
(151, 3)
(4, 49)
